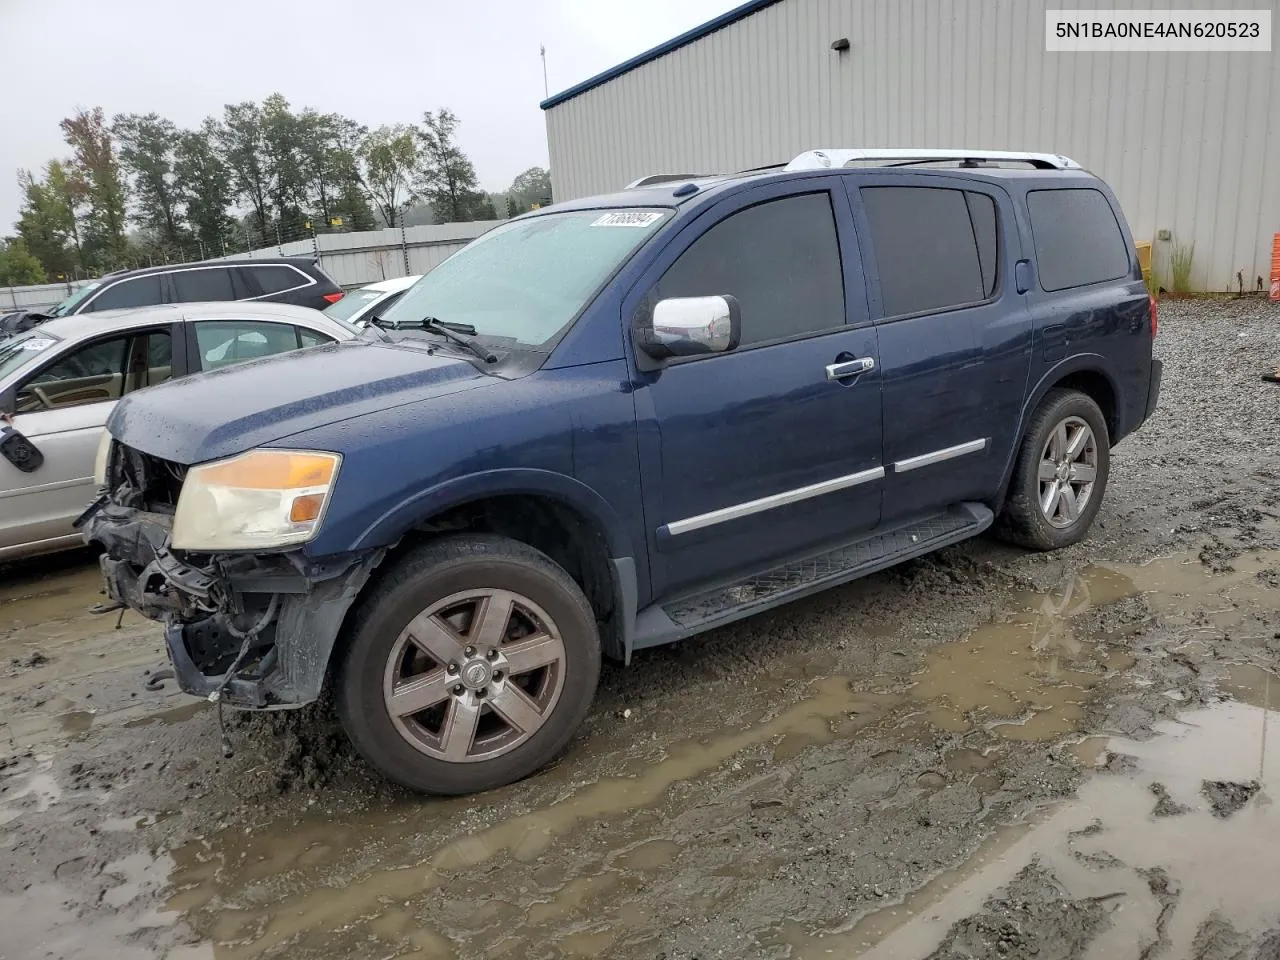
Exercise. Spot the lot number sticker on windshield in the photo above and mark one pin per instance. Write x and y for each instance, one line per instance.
(629, 218)
(35, 343)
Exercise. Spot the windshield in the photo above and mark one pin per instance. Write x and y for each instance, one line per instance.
(353, 303)
(73, 301)
(23, 349)
(526, 280)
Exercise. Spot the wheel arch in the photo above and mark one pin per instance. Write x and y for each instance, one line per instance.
(558, 515)
(1090, 374)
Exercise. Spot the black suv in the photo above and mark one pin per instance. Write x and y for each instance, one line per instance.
(295, 280)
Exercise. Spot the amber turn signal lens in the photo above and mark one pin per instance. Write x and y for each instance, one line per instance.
(306, 507)
(273, 470)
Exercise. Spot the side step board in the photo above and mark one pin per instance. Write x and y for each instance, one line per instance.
(770, 588)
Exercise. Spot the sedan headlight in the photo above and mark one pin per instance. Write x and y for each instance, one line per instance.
(261, 499)
(100, 461)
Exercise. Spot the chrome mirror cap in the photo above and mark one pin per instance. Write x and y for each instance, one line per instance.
(691, 326)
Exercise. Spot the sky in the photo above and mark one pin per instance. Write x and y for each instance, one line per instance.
(377, 61)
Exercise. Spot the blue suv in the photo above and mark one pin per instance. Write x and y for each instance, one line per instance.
(624, 420)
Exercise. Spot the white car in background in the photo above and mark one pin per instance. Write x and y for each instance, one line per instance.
(60, 380)
(370, 301)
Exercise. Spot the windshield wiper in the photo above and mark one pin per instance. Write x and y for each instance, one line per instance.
(454, 332)
(379, 326)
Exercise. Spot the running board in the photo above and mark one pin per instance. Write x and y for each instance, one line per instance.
(770, 588)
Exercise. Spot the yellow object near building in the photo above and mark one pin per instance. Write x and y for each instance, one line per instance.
(1144, 260)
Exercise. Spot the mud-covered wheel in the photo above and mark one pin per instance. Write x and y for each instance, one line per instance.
(471, 665)
(1060, 475)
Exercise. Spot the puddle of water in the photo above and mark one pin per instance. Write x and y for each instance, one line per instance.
(45, 921)
(36, 795)
(1218, 864)
(1026, 676)
(171, 716)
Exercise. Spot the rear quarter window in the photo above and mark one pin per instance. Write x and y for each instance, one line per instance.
(1077, 238)
(276, 278)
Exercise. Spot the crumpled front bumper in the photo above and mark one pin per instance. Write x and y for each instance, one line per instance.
(208, 602)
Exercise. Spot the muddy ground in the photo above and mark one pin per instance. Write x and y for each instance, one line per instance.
(986, 753)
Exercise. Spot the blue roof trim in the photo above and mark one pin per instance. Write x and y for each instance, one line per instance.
(686, 38)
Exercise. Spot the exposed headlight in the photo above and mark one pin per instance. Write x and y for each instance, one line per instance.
(261, 499)
(100, 461)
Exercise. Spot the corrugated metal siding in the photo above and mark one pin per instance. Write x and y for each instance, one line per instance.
(1190, 142)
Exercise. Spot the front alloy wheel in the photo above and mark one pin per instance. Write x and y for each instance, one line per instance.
(469, 666)
(474, 675)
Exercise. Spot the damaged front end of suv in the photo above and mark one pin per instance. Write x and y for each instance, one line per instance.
(213, 552)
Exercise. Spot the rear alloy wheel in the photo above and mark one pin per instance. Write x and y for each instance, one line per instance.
(475, 660)
(1060, 475)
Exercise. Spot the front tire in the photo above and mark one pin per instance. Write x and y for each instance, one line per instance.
(472, 663)
(1060, 475)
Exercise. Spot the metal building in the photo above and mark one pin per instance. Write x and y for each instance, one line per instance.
(1189, 141)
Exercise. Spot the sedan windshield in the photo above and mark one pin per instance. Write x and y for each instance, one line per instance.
(526, 281)
(353, 303)
(73, 301)
(17, 352)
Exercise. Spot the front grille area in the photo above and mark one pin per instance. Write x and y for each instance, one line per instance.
(137, 479)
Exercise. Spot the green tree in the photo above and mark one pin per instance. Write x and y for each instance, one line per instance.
(96, 169)
(532, 186)
(286, 178)
(446, 177)
(46, 221)
(147, 145)
(240, 143)
(390, 157)
(203, 183)
(18, 267)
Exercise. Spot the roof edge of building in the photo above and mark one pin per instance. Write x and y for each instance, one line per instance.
(675, 43)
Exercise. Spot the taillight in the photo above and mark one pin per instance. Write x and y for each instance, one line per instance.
(333, 297)
(1155, 323)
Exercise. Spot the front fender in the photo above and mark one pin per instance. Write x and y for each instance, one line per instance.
(399, 519)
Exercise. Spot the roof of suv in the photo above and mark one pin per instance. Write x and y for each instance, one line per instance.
(301, 262)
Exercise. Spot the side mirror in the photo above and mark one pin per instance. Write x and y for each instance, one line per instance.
(691, 326)
(18, 450)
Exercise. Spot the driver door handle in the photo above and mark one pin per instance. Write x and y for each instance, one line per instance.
(850, 368)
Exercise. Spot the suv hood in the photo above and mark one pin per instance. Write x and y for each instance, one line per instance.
(224, 412)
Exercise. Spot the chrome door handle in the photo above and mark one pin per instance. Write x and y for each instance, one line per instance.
(850, 368)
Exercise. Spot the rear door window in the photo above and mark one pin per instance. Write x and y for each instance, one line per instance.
(935, 248)
(210, 283)
(223, 342)
(132, 292)
(1077, 238)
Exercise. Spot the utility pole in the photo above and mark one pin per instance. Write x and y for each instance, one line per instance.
(546, 92)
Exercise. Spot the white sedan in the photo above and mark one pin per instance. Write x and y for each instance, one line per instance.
(60, 380)
(370, 301)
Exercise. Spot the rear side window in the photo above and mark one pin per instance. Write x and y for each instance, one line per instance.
(192, 286)
(223, 342)
(935, 248)
(780, 259)
(1078, 240)
(134, 292)
(274, 278)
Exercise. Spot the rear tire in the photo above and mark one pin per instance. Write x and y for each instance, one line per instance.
(471, 665)
(1060, 476)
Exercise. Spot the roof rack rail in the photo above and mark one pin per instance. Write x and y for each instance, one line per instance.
(656, 178)
(823, 159)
